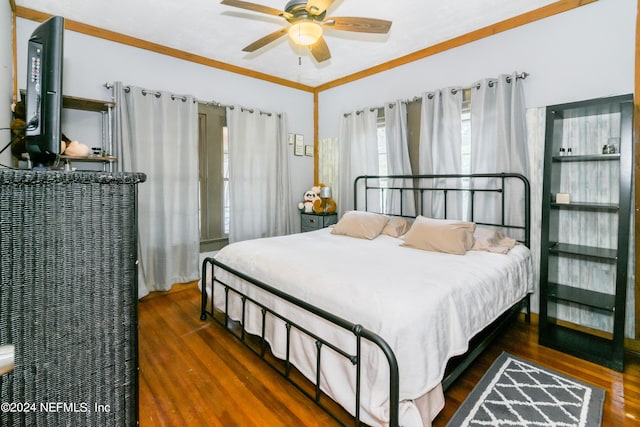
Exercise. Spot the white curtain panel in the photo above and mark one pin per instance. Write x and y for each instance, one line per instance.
(157, 133)
(328, 162)
(440, 147)
(499, 141)
(358, 148)
(259, 179)
(398, 163)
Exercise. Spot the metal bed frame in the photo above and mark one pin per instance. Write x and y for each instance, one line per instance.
(493, 183)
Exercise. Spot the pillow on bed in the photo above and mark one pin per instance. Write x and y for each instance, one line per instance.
(396, 226)
(440, 235)
(364, 225)
(490, 240)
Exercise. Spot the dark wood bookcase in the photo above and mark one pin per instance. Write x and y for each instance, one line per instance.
(585, 242)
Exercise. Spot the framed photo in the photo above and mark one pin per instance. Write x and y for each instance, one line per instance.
(298, 148)
(290, 138)
(308, 150)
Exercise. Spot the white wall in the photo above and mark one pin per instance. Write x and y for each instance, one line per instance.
(90, 62)
(6, 79)
(585, 53)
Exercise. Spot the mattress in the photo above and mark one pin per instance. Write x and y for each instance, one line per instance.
(425, 305)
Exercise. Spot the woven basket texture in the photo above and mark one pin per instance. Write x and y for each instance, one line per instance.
(68, 297)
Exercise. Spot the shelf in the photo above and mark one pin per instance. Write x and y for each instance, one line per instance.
(581, 296)
(586, 127)
(581, 344)
(586, 206)
(94, 159)
(587, 158)
(583, 251)
(85, 104)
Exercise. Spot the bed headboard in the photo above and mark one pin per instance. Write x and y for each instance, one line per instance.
(498, 200)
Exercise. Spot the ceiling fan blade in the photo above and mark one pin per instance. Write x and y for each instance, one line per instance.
(316, 7)
(265, 40)
(320, 50)
(253, 6)
(360, 25)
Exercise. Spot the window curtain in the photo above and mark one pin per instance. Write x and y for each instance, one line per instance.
(439, 150)
(328, 162)
(358, 155)
(499, 140)
(398, 162)
(259, 178)
(157, 133)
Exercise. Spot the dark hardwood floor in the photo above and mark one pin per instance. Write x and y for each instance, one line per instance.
(193, 373)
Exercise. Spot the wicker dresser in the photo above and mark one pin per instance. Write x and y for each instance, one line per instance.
(68, 298)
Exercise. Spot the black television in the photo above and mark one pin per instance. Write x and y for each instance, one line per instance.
(43, 103)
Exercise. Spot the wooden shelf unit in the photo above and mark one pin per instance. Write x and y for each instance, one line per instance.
(577, 276)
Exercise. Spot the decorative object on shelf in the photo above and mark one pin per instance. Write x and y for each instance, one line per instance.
(310, 197)
(610, 148)
(583, 272)
(325, 204)
(77, 149)
(562, 198)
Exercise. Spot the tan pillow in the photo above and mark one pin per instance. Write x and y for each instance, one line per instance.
(396, 226)
(364, 225)
(440, 235)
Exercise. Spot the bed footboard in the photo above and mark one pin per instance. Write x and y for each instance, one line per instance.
(455, 367)
(358, 331)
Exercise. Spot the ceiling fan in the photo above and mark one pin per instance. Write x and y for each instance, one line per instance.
(307, 19)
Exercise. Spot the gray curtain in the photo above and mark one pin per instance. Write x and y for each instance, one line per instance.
(398, 162)
(358, 148)
(260, 199)
(499, 140)
(157, 133)
(440, 146)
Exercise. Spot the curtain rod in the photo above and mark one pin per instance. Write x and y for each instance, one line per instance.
(155, 93)
(454, 90)
(243, 109)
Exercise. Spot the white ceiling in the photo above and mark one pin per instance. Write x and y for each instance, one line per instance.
(218, 32)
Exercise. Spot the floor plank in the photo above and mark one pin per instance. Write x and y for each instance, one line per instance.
(194, 373)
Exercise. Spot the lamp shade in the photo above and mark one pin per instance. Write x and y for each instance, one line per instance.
(305, 33)
(325, 192)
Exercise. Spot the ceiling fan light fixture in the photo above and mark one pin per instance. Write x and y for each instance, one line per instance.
(305, 32)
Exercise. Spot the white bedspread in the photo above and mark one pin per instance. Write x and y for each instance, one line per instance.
(426, 305)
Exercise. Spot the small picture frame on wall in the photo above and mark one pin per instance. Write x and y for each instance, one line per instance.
(308, 150)
(298, 148)
(290, 138)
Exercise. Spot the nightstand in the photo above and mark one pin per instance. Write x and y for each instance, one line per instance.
(316, 221)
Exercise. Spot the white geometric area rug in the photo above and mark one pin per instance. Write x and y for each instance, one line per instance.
(514, 392)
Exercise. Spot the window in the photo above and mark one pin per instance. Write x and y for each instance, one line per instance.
(413, 130)
(383, 165)
(214, 177)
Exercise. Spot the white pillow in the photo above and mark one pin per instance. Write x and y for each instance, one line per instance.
(364, 225)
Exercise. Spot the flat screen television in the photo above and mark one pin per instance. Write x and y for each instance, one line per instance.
(43, 103)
